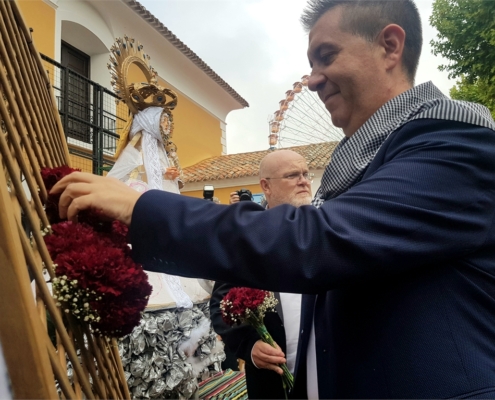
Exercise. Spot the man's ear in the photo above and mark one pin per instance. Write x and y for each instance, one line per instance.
(392, 39)
(265, 186)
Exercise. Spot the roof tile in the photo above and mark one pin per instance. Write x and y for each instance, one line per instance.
(247, 164)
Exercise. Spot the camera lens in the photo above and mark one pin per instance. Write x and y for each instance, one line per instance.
(245, 195)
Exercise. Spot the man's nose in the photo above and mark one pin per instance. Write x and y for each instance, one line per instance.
(316, 81)
(302, 181)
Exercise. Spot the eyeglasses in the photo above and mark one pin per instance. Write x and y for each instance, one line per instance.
(297, 177)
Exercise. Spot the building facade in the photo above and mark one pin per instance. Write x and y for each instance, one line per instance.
(75, 37)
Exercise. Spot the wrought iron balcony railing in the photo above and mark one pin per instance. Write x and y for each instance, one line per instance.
(91, 117)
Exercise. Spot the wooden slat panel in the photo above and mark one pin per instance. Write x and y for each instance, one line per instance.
(21, 331)
(31, 138)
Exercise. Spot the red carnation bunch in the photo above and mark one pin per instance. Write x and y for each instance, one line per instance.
(241, 302)
(246, 305)
(96, 279)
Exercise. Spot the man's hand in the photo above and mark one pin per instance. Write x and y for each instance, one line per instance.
(234, 198)
(267, 357)
(108, 196)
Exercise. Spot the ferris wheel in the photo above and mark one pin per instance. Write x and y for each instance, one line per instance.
(301, 119)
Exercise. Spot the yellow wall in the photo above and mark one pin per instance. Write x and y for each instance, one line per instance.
(197, 133)
(223, 194)
(84, 164)
(41, 17)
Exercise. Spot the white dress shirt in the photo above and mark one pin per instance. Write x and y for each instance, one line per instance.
(291, 308)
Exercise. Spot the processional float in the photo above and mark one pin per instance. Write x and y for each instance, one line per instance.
(174, 345)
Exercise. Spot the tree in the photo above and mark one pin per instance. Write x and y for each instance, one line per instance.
(466, 36)
(479, 92)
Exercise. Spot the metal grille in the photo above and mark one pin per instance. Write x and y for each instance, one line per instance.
(91, 117)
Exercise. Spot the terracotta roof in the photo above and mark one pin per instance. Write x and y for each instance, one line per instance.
(139, 9)
(247, 164)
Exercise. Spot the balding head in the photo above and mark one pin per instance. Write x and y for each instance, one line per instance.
(276, 168)
(272, 161)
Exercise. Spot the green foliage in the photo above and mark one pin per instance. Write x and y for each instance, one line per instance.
(479, 92)
(466, 37)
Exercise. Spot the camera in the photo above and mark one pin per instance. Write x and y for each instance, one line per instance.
(208, 191)
(245, 195)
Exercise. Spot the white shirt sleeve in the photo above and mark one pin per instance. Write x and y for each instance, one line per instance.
(252, 358)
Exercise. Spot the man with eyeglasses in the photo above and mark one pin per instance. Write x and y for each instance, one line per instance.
(284, 179)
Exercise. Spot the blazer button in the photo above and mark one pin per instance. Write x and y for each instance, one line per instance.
(302, 331)
(324, 350)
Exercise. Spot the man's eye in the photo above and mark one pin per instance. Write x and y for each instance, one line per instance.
(327, 57)
(292, 176)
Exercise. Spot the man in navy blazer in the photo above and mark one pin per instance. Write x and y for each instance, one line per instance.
(398, 254)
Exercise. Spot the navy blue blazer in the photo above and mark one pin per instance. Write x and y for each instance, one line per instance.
(403, 264)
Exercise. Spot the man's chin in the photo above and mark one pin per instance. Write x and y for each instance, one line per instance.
(301, 201)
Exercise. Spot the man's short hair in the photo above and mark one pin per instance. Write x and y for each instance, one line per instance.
(366, 18)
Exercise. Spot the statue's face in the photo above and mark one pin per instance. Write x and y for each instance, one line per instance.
(165, 124)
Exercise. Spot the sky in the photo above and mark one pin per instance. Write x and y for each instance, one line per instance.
(259, 48)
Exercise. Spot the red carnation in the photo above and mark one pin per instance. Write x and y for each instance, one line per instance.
(96, 279)
(51, 176)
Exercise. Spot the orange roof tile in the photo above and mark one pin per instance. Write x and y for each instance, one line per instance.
(247, 164)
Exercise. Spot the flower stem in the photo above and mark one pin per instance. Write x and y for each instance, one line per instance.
(287, 378)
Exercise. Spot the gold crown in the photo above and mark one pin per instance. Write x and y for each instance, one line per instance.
(137, 96)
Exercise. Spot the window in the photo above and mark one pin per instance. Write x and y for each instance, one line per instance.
(77, 105)
(258, 198)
